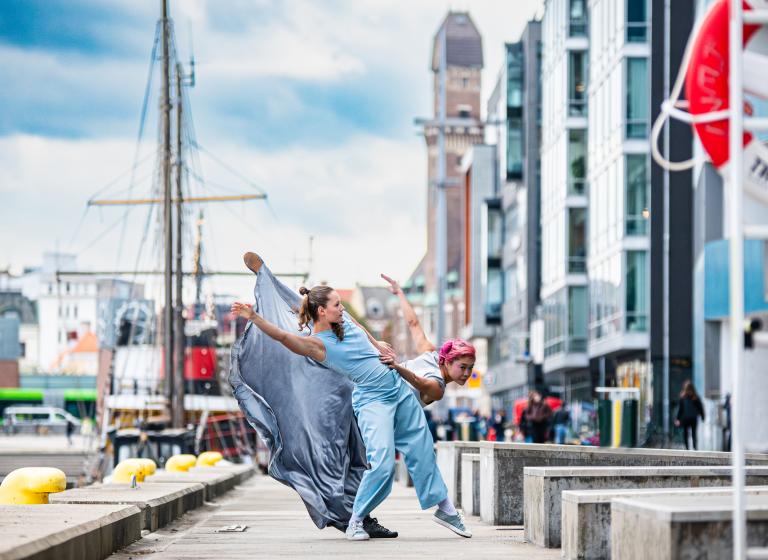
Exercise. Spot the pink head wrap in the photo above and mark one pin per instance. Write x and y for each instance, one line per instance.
(455, 348)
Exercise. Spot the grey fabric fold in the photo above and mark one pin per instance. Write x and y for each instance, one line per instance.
(300, 409)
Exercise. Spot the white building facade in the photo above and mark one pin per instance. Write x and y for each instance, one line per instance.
(564, 191)
(618, 262)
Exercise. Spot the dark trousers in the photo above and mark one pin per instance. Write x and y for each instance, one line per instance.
(689, 427)
(539, 431)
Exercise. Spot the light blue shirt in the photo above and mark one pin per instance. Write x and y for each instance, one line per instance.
(356, 358)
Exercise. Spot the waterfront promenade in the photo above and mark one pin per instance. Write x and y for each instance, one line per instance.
(278, 527)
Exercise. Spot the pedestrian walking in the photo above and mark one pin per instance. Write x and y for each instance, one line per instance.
(560, 421)
(538, 413)
(500, 424)
(70, 430)
(688, 411)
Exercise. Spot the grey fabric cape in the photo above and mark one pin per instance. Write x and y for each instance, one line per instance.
(300, 409)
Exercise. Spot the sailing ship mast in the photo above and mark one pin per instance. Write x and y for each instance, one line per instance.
(174, 387)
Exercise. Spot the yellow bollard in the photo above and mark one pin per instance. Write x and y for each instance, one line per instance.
(31, 485)
(209, 458)
(180, 463)
(129, 468)
(149, 466)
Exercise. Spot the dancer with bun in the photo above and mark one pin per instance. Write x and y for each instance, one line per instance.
(388, 413)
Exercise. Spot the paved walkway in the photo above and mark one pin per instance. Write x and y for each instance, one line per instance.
(279, 527)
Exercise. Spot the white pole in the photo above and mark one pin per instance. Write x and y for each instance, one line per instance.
(736, 275)
(441, 218)
(665, 289)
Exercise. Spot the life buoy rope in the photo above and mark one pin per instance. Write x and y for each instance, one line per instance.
(704, 72)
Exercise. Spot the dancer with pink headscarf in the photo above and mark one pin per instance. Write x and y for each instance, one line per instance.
(430, 371)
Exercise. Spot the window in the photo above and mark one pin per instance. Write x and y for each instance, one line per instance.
(495, 225)
(577, 84)
(577, 18)
(637, 195)
(515, 75)
(636, 278)
(637, 21)
(464, 113)
(637, 98)
(514, 148)
(577, 240)
(577, 319)
(577, 161)
(515, 145)
(495, 294)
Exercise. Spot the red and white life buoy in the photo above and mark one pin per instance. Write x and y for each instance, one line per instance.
(706, 87)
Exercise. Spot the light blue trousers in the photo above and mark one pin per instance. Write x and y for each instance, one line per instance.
(401, 425)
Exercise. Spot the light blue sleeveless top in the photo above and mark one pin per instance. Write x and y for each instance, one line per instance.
(356, 358)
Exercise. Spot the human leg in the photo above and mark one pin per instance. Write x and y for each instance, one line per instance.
(412, 438)
(693, 427)
(376, 427)
(686, 429)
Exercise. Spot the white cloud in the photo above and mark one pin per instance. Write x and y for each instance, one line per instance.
(362, 201)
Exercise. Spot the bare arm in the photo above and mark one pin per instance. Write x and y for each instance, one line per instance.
(417, 333)
(302, 345)
(382, 347)
(429, 389)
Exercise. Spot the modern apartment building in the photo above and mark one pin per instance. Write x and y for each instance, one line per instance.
(602, 201)
(565, 196)
(514, 115)
(618, 174)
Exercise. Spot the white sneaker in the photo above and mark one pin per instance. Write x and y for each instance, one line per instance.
(355, 532)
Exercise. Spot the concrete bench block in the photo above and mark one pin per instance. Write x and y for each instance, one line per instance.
(67, 532)
(502, 464)
(216, 483)
(159, 503)
(544, 488)
(586, 523)
(671, 527)
(470, 483)
(449, 455)
(241, 472)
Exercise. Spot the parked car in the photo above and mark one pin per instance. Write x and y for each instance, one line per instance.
(38, 419)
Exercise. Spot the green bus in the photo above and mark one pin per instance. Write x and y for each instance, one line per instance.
(78, 402)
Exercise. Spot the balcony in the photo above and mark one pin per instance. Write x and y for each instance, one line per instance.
(577, 265)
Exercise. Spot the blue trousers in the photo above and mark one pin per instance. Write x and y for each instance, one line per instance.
(397, 425)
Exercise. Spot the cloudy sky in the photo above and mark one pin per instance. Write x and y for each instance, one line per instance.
(311, 101)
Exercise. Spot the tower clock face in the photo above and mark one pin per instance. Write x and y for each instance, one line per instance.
(134, 324)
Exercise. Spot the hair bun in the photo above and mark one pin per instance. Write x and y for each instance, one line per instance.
(303, 291)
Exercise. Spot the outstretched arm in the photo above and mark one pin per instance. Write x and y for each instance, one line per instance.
(302, 345)
(417, 333)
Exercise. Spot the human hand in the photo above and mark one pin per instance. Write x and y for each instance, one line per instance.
(387, 353)
(242, 310)
(677, 422)
(394, 287)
